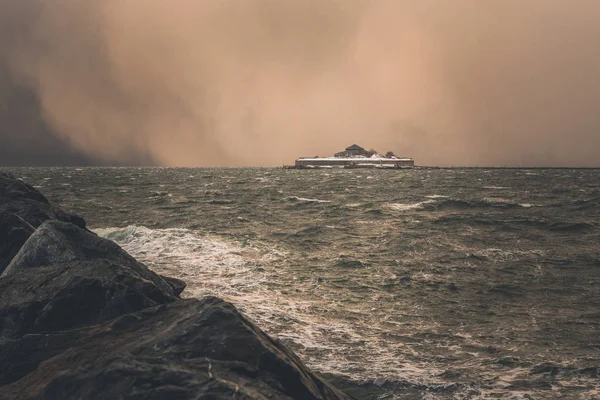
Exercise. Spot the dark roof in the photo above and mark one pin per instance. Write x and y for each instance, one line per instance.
(354, 147)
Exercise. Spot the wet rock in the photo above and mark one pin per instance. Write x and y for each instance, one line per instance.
(73, 294)
(15, 189)
(22, 209)
(177, 285)
(14, 232)
(19, 198)
(56, 242)
(187, 349)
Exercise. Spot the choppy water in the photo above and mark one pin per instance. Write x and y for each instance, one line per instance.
(459, 284)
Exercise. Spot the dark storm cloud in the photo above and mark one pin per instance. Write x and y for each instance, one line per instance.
(27, 140)
(26, 137)
(261, 82)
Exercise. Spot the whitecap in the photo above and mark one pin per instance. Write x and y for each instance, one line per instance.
(296, 198)
(187, 247)
(409, 206)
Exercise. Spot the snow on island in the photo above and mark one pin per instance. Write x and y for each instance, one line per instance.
(355, 157)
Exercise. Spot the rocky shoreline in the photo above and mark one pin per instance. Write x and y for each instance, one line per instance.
(81, 318)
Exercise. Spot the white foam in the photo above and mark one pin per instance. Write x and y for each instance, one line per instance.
(409, 206)
(159, 246)
(503, 201)
(263, 283)
(308, 200)
(506, 255)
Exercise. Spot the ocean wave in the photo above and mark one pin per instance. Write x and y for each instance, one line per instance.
(159, 246)
(256, 280)
(409, 206)
(221, 202)
(306, 200)
(158, 193)
(487, 202)
(567, 227)
(445, 203)
(585, 204)
(345, 262)
(520, 224)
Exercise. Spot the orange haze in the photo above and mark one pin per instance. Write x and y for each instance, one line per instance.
(261, 82)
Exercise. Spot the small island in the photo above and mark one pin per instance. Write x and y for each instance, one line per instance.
(355, 157)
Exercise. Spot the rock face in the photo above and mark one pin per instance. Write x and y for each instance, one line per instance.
(14, 232)
(80, 318)
(21, 199)
(22, 209)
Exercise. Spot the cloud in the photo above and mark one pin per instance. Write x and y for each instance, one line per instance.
(261, 82)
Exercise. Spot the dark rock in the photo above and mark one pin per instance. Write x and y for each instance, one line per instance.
(187, 349)
(19, 198)
(22, 209)
(72, 295)
(56, 242)
(15, 189)
(176, 284)
(14, 232)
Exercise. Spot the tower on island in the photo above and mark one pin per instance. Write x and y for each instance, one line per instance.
(354, 150)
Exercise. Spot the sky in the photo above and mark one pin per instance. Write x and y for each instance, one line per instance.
(262, 82)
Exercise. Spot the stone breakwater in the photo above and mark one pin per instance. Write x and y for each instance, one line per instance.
(81, 318)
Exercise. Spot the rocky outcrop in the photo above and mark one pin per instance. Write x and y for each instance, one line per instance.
(185, 350)
(22, 209)
(80, 318)
(14, 232)
(19, 198)
(56, 242)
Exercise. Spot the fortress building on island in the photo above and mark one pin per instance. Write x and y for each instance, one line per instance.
(355, 157)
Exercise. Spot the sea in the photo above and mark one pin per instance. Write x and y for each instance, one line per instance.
(393, 284)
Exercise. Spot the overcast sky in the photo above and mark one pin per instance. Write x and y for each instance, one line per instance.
(262, 82)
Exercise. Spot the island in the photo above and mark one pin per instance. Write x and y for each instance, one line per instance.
(355, 157)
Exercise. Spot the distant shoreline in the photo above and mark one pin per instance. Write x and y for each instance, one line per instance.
(478, 167)
(278, 167)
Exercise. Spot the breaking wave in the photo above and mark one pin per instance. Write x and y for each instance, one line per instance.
(444, 203)
(292, 309)
(302, 199)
